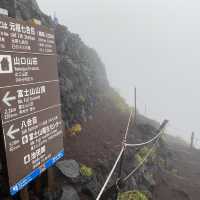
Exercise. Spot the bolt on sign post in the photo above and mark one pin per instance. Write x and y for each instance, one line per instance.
(29, 101)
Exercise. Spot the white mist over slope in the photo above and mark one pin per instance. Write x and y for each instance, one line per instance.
(152, 44)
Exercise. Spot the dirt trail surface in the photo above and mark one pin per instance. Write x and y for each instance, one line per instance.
(100, 140)
(184, 182)
(100, 137)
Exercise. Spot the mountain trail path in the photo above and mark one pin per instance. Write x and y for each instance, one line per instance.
(184, 182)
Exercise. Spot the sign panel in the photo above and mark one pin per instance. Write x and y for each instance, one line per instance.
(29, 100)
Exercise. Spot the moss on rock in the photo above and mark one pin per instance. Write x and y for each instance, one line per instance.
(86, 171)
(132, 195)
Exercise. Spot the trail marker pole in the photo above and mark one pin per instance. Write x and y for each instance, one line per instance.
(192, 140)
(12, 8)
(135, 96)
(126, 134)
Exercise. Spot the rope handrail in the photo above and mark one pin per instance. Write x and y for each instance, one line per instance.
(142, 162)
(110, 174)
(151, 140)
(118, 158)
(156, 138)
(123, 148)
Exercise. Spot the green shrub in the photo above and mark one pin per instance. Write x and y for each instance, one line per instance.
(174, 171)
(118, 101)
(143, 152)
(139, 157)
(161, 162)
(132, 195)
(86, 171)
(75, 129)
(82, 99)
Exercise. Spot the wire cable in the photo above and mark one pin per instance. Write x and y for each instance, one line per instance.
(123, 148)
(144, 143)
(143, 161)
(158, 136)
(119, 156)
(110, 174)
(160, 132)
(133, 111)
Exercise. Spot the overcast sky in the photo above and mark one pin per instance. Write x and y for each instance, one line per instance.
(153, 44)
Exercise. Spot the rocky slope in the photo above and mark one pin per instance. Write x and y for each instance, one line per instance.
(181, 180)
(81, 72)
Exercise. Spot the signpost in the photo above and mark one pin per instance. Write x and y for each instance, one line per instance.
(29, 101)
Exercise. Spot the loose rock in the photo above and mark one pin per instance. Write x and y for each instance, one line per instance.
(70, 168)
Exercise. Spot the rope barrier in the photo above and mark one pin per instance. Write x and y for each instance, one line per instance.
(144, 143)
(151, 140)
(142, 162)
(119, 156)
(110, 174)
(157, 138)
(126, 135)
(123, 148)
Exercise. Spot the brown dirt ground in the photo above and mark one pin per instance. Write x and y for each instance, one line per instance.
(101, 138)
(185, 184)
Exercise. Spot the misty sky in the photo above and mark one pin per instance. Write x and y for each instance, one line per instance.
(151, 44)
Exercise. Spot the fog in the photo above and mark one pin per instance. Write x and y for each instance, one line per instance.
(151, 44)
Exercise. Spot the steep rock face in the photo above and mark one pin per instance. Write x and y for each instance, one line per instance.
(82, 74)
(25, 10)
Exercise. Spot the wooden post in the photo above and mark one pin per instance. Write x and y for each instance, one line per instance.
(24, 194)
(50, 178)
(192, 140)
(37, 186)
(12, 8)
(4, 171)
(135, 96)
(145, 110)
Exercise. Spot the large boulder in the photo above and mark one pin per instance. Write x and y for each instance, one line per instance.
(69, 168)
(69, 193)
(148, 180)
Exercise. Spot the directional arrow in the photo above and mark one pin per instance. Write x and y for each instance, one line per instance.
(6, 99)
(12, 131)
